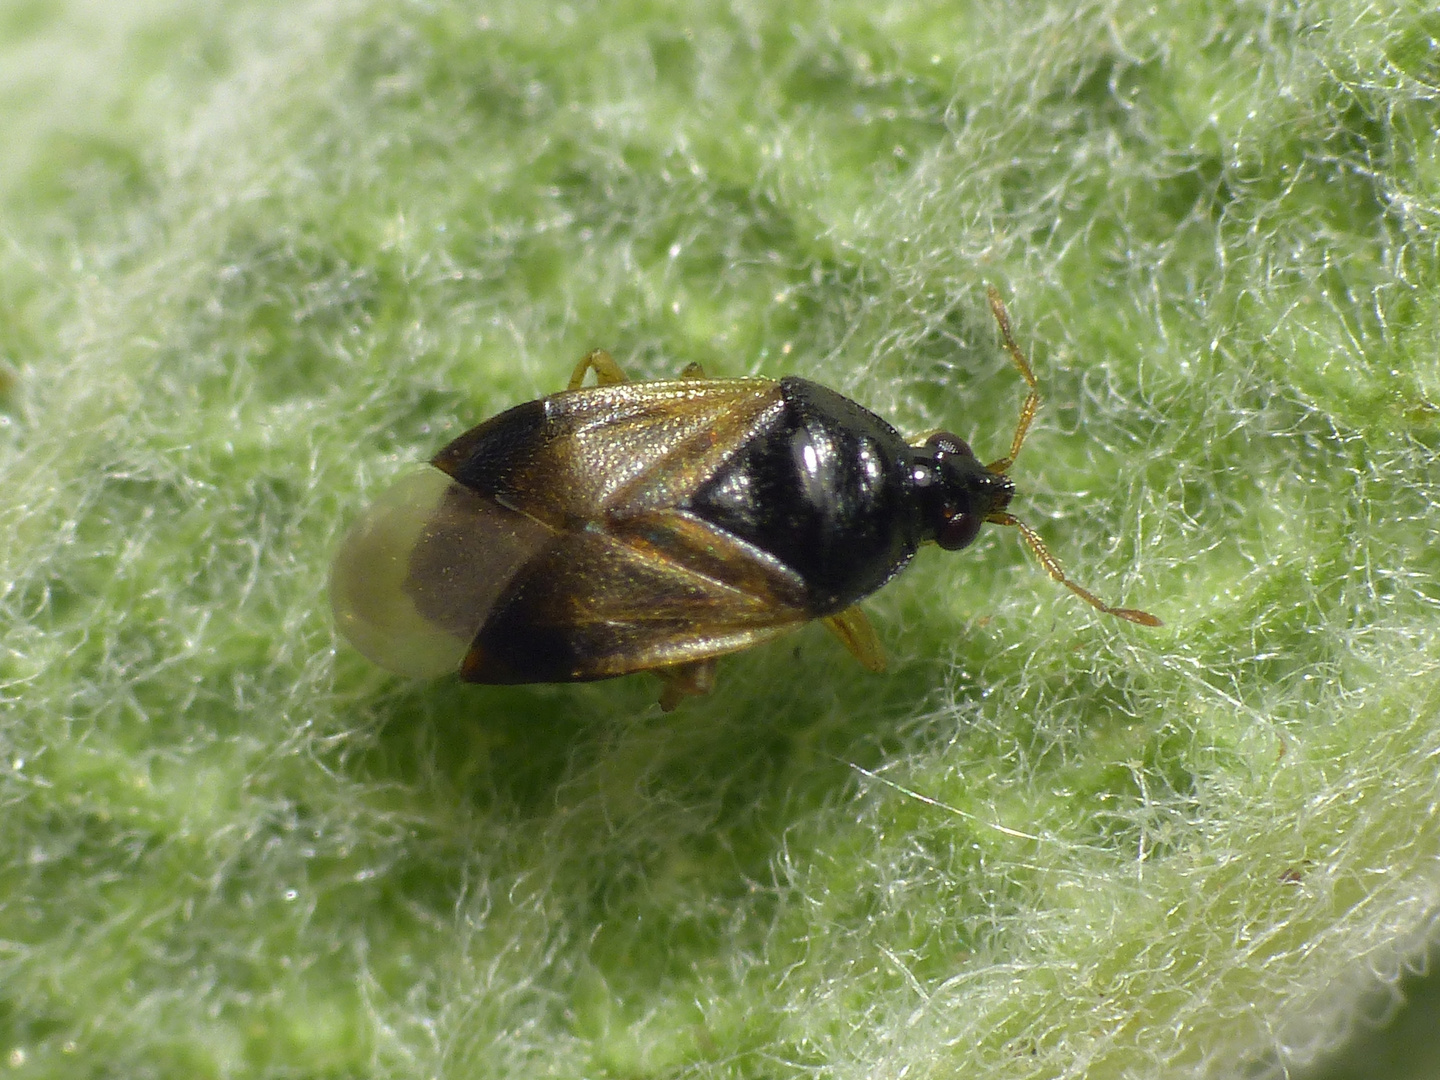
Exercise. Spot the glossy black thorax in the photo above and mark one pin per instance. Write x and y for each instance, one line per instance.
(824, 486)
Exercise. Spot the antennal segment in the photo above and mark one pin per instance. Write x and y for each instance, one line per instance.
(1032, 401)
(1053, 568)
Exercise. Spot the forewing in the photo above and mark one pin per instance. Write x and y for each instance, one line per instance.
(658, 588)
(609, 451)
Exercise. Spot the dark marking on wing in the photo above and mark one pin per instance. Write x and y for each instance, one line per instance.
(448, 582)
(655, 589)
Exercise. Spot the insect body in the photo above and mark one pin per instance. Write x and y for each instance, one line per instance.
(627, 527)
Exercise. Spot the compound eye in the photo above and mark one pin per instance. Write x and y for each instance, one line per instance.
(959, 531)
(942, 442)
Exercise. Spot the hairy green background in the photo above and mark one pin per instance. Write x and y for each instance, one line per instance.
(258, 257)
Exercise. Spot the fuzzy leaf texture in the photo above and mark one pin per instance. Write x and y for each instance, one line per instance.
(258, 258)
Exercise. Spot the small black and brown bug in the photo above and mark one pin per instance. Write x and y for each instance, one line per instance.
(655, 526)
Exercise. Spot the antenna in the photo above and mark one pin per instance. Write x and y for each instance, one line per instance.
(1000, 517)
(1032, 400)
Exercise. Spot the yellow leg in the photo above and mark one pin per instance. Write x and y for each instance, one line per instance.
(858, 636)
(694, 679)
(607, 371)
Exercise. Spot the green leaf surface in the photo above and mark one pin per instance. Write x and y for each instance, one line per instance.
(257, 258)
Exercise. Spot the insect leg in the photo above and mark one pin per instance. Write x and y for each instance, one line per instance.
(694, 679)
(1052, 567)
(607, 371)
(858, 636)
(1032, 400)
